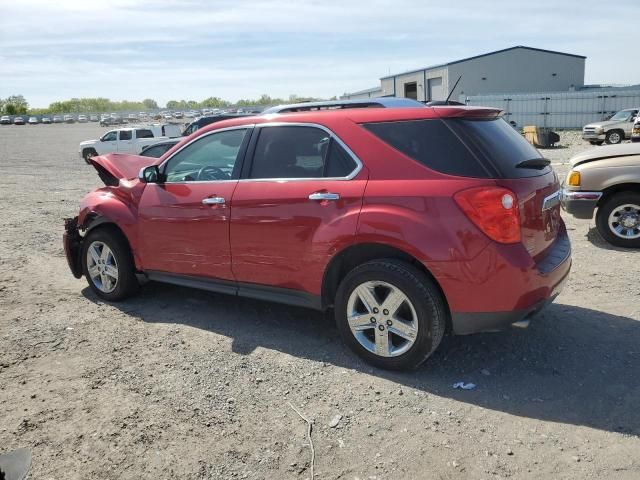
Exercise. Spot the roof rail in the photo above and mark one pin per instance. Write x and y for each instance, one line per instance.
(380, 102)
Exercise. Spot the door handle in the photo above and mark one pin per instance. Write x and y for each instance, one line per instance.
(213, 201)
(324, 196)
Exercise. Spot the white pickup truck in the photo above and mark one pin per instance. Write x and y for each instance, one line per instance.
(127, 140)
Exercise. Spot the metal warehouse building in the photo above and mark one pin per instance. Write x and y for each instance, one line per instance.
(512, 70)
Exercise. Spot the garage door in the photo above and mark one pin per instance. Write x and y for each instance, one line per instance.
(436, 92)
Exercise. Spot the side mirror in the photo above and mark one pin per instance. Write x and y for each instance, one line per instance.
(149, 174)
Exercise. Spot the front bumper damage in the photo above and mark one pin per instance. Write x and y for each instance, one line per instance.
(72, 242)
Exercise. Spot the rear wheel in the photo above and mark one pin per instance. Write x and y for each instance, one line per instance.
(618, 219)
(614, 137)
(107, 265)
(390, 313)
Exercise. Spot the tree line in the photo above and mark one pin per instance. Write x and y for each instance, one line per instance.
(17, 104)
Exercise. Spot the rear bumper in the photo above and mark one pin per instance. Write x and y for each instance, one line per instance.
(579, 204)
(504, 285)
(72, 242)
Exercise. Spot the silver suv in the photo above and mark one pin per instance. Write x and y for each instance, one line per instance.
(614, 130)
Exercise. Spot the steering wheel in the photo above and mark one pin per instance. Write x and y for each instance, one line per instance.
(209, 172)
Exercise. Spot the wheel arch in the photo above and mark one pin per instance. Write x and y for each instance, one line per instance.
(611, 190)
(350, 257)
(94, 221)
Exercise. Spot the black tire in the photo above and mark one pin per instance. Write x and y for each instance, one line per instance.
(87, 153)
(423, 294)
(596, 142)
(614, 137)
(127, 283)
(605, 210)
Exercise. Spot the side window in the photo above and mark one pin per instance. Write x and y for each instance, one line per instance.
(211, 157)
(298, 152)
(339, 163)
(144, 133)
(125, 134)
(110, 137)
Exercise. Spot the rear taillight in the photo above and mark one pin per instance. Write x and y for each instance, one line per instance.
(494, 210)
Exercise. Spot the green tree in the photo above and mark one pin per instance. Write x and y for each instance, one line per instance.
(150, 104)
(15, 105)
(214, 102)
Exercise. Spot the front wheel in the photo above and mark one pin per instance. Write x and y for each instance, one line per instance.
(390, 313)
(88, 154)
(614, 137)
(108, 266)
(618, 219)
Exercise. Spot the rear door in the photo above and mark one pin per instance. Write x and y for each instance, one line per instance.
(297, 204)
(126, 141)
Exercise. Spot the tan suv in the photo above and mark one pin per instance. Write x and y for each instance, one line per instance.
(607, 179)
(612, 131)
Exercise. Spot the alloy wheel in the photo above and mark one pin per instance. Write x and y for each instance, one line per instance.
(102, 267)
(382, 318)
(624, 221)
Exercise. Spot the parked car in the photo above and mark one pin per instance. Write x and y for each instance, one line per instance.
(612, 131)
(204, 121)
(46, 120)
(109, 121)
(132, 117)
(33, 121)
(607, 181)
(18, 121)
(127, 140)
(158, 149)
(5, 120)
(178, 115)
(407, 222)
(82, 119)
(57, 119)
(69, 119)
(94, 118)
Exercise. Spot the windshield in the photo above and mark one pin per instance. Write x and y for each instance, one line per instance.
(622, 115)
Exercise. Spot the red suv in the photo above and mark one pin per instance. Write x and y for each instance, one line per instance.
(407, 222)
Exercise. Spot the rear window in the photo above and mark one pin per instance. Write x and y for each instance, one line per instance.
(431, 143)
(499, 144)
(144, 133)
(466, 148)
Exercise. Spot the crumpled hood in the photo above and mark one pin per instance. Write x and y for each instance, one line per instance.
(607, 151)
(121, 165)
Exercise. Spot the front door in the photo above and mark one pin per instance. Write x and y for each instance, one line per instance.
(298, 206)
(184, 220)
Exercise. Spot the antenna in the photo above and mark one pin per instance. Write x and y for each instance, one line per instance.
(452, 90)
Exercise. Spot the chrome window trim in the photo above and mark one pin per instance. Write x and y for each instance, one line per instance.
(200, 137)
(353, 156)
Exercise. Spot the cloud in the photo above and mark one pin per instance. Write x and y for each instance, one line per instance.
(194, 49)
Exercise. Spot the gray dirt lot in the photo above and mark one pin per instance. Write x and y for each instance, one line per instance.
(177, 383)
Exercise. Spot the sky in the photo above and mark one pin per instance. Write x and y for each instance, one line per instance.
(193, 49)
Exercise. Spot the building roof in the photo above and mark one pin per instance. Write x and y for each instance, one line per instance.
(483, 55)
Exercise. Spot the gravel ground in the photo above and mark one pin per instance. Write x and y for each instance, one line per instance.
(178, 383)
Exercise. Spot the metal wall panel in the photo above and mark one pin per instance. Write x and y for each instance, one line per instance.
(559, 110)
